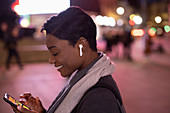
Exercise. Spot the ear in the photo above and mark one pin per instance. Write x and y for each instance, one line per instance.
(82, 41)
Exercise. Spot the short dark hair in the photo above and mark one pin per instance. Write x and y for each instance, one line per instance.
(72, 24)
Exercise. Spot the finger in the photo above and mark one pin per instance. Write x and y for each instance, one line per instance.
(25, 95)
(22, 100)
(31, 102)
(38, 101)
(40, 106)
(31, 99)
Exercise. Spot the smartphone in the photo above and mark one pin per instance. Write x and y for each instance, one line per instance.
(13, 102)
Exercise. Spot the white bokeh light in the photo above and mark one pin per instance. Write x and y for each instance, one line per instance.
(24, 22)
(158, 19)
(105, 21)
(119, 22)
(120, 10)
(138, 20)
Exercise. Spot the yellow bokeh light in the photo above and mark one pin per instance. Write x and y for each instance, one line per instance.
(132, 16)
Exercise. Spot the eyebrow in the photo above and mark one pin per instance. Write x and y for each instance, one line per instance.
(51, 47)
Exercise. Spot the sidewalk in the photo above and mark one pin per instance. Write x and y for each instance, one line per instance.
(144, 83)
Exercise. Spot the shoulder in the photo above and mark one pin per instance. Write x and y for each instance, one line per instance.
(99, 95)
(98, 100)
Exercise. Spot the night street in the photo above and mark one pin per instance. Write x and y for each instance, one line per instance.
(143, 83)
(39, 37)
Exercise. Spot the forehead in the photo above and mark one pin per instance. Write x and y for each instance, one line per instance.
(54, 41)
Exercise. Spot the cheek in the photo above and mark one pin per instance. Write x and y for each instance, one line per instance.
(70, 57)
(71, 64)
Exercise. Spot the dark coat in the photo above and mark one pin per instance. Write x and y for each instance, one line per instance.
(99, 99)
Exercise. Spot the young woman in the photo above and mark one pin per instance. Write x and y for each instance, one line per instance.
(71, 41)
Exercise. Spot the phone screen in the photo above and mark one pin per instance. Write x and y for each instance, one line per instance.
(12, 101)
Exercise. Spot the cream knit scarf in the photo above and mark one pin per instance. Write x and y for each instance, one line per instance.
(104, 66)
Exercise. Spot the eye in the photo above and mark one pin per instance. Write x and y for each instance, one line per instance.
(55, 54)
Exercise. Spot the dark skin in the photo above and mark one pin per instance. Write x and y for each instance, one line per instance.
(33, 103)
(66, 58)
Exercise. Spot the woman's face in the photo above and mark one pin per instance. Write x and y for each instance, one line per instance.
(64, 56)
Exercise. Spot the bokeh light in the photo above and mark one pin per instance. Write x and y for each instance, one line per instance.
(167, 28)
(159, 31)
(138, 19)
(158, 19)
(120, 10)
(119, 22)
(132, 16)
(151, 32)
(131, 22)
(137, 32)
(105, 21)
(25, 21)
(153, 29)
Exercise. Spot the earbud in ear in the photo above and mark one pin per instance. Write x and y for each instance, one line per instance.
(81, 49)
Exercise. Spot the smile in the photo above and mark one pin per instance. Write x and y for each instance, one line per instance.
(59, 67)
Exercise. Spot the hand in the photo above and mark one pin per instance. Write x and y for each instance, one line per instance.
(33, 103)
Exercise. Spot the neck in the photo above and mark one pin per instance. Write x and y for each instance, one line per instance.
(89, 58)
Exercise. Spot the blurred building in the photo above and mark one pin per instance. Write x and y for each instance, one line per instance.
(159, 8)
(148, 10)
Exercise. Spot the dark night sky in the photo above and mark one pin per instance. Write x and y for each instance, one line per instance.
(89, 5)
(149, 1)
(5, 5)
(6, 14)
(136, 3)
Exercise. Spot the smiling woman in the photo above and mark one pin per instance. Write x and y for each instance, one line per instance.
(71, 41)
(62, 55)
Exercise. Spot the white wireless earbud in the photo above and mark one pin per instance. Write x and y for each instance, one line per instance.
(81, 50)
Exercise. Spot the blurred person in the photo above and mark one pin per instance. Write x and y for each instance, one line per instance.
(127, 41)
(4, 31)
(112, 41)
(10, 39)
(71, 41)
(148, 46)
(108, 38)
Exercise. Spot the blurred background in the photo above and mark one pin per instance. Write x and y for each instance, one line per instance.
(134, 33)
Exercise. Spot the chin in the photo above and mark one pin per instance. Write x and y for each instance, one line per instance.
(65, 75)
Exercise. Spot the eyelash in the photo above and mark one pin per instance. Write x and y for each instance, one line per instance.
(55, 54)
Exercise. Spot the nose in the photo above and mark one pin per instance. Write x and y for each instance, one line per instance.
(51, 60)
